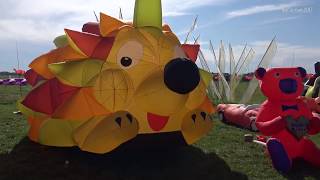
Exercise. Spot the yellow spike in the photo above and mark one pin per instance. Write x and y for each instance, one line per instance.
(109, 24)
(77, 73)
(206, 77)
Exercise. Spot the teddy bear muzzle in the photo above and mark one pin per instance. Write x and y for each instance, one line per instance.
(288, 86)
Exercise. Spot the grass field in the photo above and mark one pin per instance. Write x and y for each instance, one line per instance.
(221, 155)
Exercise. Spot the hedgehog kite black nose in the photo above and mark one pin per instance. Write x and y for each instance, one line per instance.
(181, 75)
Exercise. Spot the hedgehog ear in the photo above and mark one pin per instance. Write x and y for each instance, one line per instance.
(260, 72)
(303, 72)
(109, 24)
(191, 51)
(148, 13)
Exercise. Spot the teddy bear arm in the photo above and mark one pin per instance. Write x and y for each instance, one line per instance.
(271, 127)
(309, 102)
(314, 126)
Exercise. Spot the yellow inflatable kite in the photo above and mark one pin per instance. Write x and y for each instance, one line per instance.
(113, 81)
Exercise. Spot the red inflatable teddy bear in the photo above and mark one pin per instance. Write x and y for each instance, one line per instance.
(286, 118)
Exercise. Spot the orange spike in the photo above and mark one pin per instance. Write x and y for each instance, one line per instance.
(191, 50)
(166, 27)
(35, 125)
(208, 106)
(109, 24)
(40, 64)
(89, 106)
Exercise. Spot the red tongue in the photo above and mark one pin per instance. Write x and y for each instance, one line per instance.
(157, 122)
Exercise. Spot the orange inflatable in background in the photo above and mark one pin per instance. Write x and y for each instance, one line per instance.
(104, 86)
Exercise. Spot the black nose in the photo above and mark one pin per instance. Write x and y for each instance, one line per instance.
(288, 86)
(181, 75)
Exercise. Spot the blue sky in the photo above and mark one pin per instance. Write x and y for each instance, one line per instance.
(33, 24)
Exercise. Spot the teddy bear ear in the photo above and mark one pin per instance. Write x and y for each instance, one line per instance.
(260, 72)
(303, 72)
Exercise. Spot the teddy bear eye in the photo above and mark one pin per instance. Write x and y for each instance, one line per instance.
(277, 75)
(297, 74)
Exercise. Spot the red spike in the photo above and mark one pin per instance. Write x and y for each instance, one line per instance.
(191, 50)
(49, 96)
(103, 48)
(86, 42)
(32, 77)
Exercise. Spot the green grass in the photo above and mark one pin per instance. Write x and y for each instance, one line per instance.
(257, 97)
(12, 127)
(221, 155)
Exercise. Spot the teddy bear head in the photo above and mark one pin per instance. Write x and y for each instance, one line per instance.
(280, 84)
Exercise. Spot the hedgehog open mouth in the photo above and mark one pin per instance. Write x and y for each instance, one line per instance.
(157, 122)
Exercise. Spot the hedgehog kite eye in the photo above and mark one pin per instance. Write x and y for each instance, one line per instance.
(126, 61)
(297, 74)
(129, 54)
(277, 75)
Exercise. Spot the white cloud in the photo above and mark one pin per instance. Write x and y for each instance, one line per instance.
(183, 5)
(35, 23)
(295, 55)
(277, 20)
(28, 30)
(42, 20)
(261, 9)
(174, 14)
